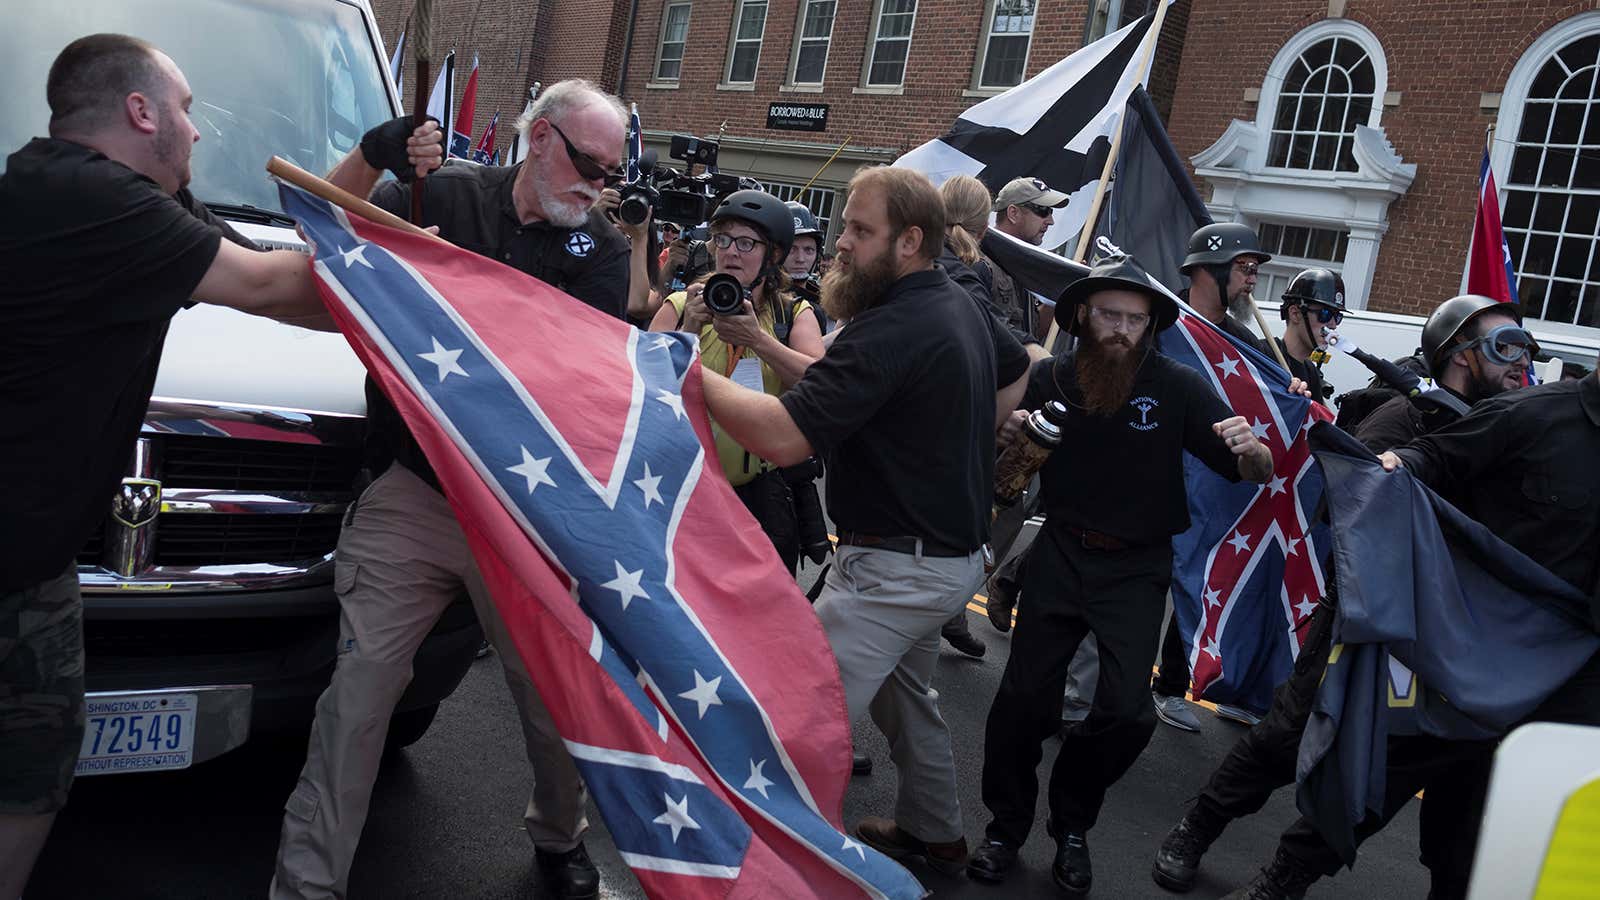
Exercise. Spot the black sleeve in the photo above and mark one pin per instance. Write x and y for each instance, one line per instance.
(1202, 408)
(1040, 389)
(144, 241)
(603, 284)
(1011, 359)
(199, 211)
(841, 391)
(1464, 448)
(1387, 427)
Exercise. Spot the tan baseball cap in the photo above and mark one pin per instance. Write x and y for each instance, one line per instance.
(1028, 190)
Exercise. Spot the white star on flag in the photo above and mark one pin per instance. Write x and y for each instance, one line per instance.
(704, 693)
(758, 782)
(662, 342)
(677, 816)
(852, 845)
(1275, 486)
(673, 400)
(1291, 546)
(446, 360)
(1213, 597)
(651, 485)
(1305, 607)
(1229, 366)
(1211, 649)
(627, 584)
(1240, 542)
(1260, 429)
(535, 470)
(353, 256)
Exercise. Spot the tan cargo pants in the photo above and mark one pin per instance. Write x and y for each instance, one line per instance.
(402, 560)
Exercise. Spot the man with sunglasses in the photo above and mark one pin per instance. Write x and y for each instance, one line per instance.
(402, 558)
(1313, 305)
(1025, 209)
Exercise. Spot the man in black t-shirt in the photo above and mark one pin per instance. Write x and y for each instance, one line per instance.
(402, 556)
(101, 243)
(1113, 497)
(903, 407)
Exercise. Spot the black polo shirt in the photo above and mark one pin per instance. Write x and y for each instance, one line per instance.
(1122, 474)
(97, 258)
(473, 208)
(1524, 464)
(902, 407)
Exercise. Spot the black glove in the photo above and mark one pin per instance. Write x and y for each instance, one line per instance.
(384, 147)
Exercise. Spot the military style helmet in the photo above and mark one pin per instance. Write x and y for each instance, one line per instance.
(1119, 273)
(1221, 244)
(1315, 286)
(804, 222)
(766, 212)
(1447, 322)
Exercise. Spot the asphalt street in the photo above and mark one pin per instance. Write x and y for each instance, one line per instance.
(446, 818)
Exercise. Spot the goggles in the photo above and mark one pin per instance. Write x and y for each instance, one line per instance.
(1504, 345)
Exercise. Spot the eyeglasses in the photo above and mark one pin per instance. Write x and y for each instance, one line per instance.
(586, 164)
(1504, 345)
(745, 244)
(1247, 268)
(1113, 318)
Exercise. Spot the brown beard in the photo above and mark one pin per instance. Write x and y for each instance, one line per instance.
(1106, 379)
(848, 291)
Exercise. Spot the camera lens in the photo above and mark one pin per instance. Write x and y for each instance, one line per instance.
(634, 209)
(724, 295)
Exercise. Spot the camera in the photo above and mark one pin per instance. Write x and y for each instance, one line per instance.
(637, 201)
(724, 295)
(689, 199)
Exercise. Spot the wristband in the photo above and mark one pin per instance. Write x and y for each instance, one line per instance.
(384, 147)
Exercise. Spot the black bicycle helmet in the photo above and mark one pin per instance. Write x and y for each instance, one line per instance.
(766, 212)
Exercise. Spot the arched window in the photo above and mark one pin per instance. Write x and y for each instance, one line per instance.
(1327, 91)
(1547, 145)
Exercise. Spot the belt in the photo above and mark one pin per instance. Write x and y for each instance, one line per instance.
(908, 545)
(1094, 540)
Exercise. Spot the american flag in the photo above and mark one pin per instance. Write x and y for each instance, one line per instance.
(683, 667)
(1249, 570)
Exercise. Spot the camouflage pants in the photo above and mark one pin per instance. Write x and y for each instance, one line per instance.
(41, 693)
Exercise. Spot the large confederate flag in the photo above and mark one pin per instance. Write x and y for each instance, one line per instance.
(685, 670)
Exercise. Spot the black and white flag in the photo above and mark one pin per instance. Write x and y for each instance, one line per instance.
(1056, 126)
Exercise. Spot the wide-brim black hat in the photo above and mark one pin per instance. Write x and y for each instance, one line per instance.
(1120, 274)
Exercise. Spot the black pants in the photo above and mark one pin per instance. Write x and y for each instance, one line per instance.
(1173, 678)
(1119, 596)
(768, 499)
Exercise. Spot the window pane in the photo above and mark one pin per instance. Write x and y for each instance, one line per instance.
(1535, 122)
(1586, 173)
(1581, 53)
(1557, 171)
(1531, 292)
(1573, 260)
(1541, 253)
(1362, 80)
(1547, 82)
(888, 62)
(1561, 303)
(1294, 240)
(668, 70)
(1300, 152)
(1359, 114)
(1295, 81)
(752, 16)
(744, 62)
(1310, 110)
(1580, 86)
(819, 19)
(1320, 53)
(1338, 82)
(1333, 114)
(677, 23)
(1003, 64)
(1524, 166)
(809, 64)
(1318, 82)
(1271, 237)
(1323, 152)
(1322, 243)
(1581, 214)
(1589, 311)
(1551, 211)
(1568, 126)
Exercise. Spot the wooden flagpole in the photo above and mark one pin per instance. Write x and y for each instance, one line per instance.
(1081, 253)
(818, 174)
(342, 198)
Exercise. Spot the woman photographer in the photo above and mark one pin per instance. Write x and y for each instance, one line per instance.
(766, 346)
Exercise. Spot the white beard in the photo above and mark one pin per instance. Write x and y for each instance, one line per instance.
(564, 213)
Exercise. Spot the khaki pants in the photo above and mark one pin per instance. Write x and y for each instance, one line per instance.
(882, 612)
(402, 560)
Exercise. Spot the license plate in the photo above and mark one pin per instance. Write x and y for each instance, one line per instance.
(138, 733)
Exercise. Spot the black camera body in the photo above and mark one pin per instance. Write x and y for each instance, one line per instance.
(724, 295)
(637, 202)
(687, 199)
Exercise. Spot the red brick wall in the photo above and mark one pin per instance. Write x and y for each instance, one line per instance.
(1442, 55)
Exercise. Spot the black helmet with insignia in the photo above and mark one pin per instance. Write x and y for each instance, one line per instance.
(1117, 273)
(804, 222)
(1322, 286)
(1221, 244)
(1450, 319)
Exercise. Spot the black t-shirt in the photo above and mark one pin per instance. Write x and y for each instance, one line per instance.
(1305, 371)
(473, 208)
(1122, 474)
(902, 407)
(97, 258)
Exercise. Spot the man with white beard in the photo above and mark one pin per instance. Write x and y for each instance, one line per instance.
(402, 557)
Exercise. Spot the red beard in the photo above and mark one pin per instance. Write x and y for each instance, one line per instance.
(1106, 377)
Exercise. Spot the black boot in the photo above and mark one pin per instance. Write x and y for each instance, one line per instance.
(1285, 879)
(1071, 870)
(569, 875)
(992, 862)
(1178, 861)
(960, 636)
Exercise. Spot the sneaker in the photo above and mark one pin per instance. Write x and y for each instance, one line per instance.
(1285, 879)
(1236, 714)
(992, 862)
(1175, 711)
(570, 875)
(1071, 870)
(1178, 861)
(884, 836)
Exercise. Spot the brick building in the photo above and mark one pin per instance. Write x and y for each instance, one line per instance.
(1349, 132)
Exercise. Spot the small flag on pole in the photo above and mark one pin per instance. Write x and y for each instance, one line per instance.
(484, 153)
(440, 102)
(461, 128)
(395, 70)
(635, 144)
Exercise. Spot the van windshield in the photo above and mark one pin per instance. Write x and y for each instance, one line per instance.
(301, 79)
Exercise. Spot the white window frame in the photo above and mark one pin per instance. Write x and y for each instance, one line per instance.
(987, 36)
(661, 41)
(872, 49)
(1508, 124)
(734, 41)
(800, 40)
(1244, 189)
